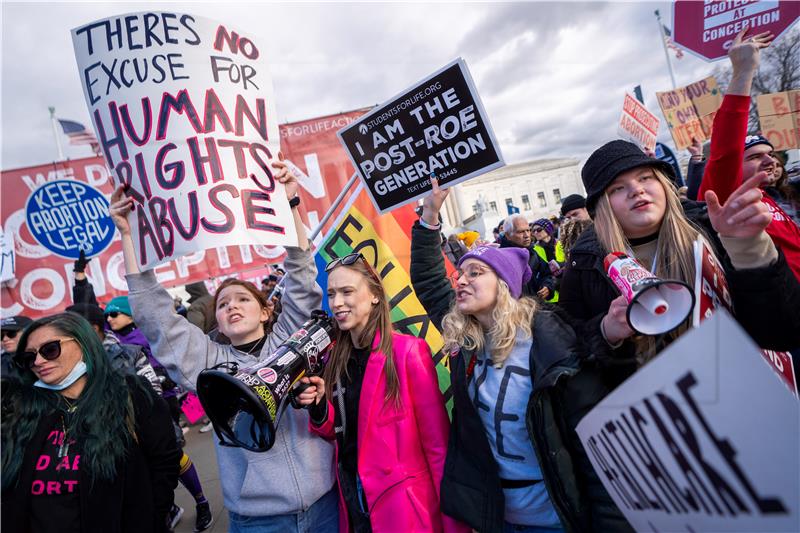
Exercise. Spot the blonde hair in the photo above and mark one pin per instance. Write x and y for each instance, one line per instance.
(674, 249)
(509, 317)
(380, 322)
(676, 236)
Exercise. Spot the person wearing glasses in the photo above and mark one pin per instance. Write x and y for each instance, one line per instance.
(290, 487)
(514, 461)
(10, 330)
(84, 448)
(379, 400)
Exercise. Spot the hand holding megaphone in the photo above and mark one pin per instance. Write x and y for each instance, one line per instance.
(310, 390)
(615, 323)
(246, 404)
(654, 306)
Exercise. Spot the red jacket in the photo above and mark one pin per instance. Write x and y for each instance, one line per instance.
(401, 450)
(723, 174)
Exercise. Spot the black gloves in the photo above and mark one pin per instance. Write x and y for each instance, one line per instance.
(80, 263)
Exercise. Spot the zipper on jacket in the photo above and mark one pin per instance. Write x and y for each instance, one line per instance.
(561, 505)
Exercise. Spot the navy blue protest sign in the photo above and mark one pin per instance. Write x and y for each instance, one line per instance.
(67, 216)
(438, 127)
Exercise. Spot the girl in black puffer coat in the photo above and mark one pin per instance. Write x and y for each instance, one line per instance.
(536, 354)
(636, 210)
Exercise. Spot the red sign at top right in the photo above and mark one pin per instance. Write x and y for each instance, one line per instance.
(708, 28)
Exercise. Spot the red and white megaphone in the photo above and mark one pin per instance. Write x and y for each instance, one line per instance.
(655, 305)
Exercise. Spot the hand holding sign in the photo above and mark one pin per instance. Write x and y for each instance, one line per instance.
(432, 203)
(695, 149)
(285, 176)
(744, 214)
(119, 210)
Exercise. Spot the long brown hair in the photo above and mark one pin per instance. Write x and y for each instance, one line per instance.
(380, 322)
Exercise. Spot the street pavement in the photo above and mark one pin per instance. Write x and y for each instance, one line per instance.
(200, 447)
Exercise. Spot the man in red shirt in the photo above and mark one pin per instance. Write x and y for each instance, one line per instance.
(736, 157)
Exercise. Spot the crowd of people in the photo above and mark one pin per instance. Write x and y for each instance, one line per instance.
(535, 333)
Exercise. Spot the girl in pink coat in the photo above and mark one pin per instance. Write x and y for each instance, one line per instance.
(379, 399)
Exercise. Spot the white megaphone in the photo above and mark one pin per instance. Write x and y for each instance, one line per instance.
(655, 305)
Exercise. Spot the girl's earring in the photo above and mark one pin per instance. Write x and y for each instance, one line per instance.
(374, 301)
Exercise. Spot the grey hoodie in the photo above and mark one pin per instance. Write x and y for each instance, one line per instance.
(299, 468)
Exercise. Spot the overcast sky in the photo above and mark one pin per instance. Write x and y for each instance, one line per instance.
(552, 75)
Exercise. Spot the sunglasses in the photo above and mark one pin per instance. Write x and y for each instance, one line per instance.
(113, 314)
(537, 230)
(49, 351)
(11, 334)
(351, 259)
(348, 260)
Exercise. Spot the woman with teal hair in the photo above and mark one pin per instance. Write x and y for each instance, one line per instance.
(83, 447)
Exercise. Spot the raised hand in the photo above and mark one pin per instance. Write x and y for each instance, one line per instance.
(285, 176)
(745, 54)
(79, 267)
(432, 203)
(744, 214)
(120, 206)
(695, 149)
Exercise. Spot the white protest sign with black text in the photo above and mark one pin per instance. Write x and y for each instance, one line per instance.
(711, 293)
(436, 128)
(702, 438)
(184, 110)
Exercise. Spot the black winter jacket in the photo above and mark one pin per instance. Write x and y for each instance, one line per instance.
(471, 489)
(766, 300)
(140, 496)
(541, 276)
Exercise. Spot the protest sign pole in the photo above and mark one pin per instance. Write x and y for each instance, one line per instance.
(55, 132)
(334, 206)
(664, 45)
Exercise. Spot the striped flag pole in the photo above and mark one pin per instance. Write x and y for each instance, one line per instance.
(664, 45)
(55, 133)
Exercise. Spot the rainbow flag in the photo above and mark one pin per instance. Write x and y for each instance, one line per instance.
(385, 241)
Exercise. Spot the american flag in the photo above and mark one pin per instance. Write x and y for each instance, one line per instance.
(670, 44)
(78, 134)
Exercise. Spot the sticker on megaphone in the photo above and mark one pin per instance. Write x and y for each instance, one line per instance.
(655, 306)
(245, 404)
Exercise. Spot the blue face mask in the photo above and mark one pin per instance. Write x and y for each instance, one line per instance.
(77, 371)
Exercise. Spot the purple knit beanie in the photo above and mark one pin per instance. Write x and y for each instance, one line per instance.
(510, 265)
(545, 225)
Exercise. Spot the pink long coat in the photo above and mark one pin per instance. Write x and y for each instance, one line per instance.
(401, 450)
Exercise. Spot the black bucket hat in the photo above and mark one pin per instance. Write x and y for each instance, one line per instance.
(611, 160)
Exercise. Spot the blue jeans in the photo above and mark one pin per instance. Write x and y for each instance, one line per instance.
(322, 517)
(514, 528)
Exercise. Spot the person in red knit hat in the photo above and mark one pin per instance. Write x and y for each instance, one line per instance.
(736, 157)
